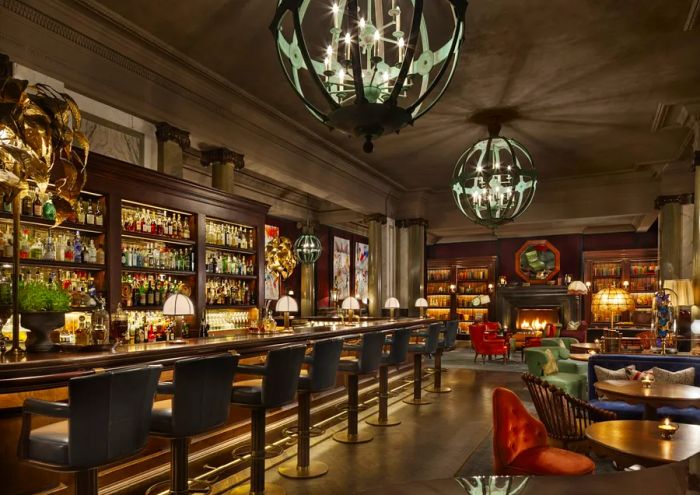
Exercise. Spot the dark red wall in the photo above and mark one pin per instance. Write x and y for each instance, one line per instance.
(571, 248)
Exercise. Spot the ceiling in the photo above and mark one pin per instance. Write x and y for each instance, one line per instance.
(585, 77)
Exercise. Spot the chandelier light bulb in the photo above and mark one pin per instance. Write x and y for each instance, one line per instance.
(363, 24)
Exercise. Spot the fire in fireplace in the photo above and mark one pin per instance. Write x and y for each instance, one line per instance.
(536, 318)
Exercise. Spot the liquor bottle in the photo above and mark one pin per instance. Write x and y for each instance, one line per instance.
(204, 326)
(9, 247)
(49, 248)
(150, 299)
(48, 210)
(6, 203)
(92, 252)
(36, 209)
(186, 230)
(27, 205)
(90, 214)
(77, 248)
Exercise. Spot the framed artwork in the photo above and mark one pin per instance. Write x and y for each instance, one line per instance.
(341, 266)
(537, 261)
(362, 270)
(272, 282)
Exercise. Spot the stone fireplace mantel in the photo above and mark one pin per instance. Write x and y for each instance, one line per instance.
(509, 299)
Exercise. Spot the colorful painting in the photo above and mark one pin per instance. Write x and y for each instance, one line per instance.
(341, 266)
(362, 271)
(272, 282)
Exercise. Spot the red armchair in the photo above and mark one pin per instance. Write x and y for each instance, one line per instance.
(486, 345)
(520, 443)
(581, 333)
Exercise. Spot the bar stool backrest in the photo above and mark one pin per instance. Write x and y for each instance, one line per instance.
(202, 396)
(281, 377)
(431, 341)
(110, 414)
(371, 352)
(451, 333)
(324, 366)
(399, 346)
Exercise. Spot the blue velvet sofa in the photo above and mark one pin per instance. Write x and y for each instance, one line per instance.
(643, 362)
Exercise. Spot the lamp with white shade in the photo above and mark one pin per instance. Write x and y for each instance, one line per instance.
(350, 304)
(421, 304)
(392, 304)
(286, 305)
(178, 305)
(577, 288)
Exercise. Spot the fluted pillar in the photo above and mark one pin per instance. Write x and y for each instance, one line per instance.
(675, 236)
(410, 262)
(224, 164)
(308, 289)
(375, 234)
(171, 144)
(696, 213)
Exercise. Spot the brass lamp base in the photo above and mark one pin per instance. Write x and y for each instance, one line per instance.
(345, 437)
(315, 469)
(438, 390)
(390, 421)
(270, 489)
(417, 402)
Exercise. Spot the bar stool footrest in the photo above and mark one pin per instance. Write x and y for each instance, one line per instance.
(193, 486)
(314, 431)
(271, 451)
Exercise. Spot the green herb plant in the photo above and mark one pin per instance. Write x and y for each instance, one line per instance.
(35, 297)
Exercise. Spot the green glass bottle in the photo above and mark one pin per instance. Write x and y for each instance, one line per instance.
(48, 211)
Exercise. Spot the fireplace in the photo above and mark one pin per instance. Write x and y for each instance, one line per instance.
(548, 303)
(535, 318)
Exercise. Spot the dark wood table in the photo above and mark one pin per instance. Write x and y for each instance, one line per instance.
(659, 395)
(629, 442)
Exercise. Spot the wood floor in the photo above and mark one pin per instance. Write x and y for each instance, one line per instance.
(433, 441)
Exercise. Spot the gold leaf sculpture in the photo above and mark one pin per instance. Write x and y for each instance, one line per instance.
(279, 257)
(38, 128)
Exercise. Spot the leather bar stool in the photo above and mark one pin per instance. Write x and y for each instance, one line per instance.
(280, 378)
(105, 420)
(323, 366)
(369, 355)
(398, 351)
(445, 344)
(428, 346)
(201, 390)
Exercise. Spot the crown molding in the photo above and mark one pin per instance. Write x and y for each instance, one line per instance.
(693, 14)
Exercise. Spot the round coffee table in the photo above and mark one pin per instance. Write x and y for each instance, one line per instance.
(629, 442)
(585, 347)
(659, 395)
(579, 356)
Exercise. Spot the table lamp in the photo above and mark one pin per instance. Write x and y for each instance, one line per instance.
(286, 305)
(421, 304)
(611, 301)
(577, 288)
(350, 304)
(392, 304)
(178, 305)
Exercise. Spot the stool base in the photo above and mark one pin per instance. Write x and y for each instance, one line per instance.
(417, 402)
(345, 437)
(390, 421)
(193, 486)
(438, 390)
(270, 489)
(315, 469)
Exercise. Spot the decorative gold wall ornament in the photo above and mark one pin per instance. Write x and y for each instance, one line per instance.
(279, 258)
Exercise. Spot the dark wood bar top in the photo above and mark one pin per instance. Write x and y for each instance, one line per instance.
(53, 369)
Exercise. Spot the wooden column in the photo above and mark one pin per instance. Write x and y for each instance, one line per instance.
(224, 164)
(171, 143)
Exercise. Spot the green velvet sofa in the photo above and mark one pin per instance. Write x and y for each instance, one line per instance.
(572, 376)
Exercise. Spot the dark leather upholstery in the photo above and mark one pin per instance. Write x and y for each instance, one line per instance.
(280, 378)
(430, 343)
(399, 347)
(450, 339)
(108, 413)
(201, 391)
(323, 365)
(369, 355)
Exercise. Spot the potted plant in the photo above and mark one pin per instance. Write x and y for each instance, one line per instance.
(43, 309)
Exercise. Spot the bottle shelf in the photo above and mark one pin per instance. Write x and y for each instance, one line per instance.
(133, 269)
(143, 308)
(230, 306)
(65, 265)
(226, 249)
(41, 222)
(231, 276)
(142, 236)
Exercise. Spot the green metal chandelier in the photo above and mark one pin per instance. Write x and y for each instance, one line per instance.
(357, 70)
(494, 181)
(307, 248)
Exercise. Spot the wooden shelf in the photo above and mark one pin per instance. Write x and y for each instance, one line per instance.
(142, 236)
(227, 249)
(66, 265)
(230, 306)
(232, 276)
(159, 271)
(41, 222)
(143, 308)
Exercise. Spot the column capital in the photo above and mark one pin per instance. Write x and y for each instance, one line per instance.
(376, 217)
(222, 155)
(683, 199)
(409, 222)
(166, 132)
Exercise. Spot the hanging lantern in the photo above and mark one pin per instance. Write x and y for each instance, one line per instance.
(307, 248)
(368, 69)
(279, 259)
(494, 181)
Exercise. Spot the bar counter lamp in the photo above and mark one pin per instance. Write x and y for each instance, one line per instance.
(350, 304)
(421, 304)
(392, 304)
(178, 305)
(286, 305)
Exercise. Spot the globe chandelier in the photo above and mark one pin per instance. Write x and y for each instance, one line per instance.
(368, 67)
(494, 181)
(307, 247)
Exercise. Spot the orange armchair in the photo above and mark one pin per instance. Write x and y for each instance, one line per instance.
(520, 443)
(486, 346)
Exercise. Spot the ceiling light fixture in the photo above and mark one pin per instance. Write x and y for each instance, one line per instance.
(483, 191)
(363, 74)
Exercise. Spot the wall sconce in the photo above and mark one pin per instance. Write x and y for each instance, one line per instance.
(626, 284)
(490, 286)
(588, 285)
(502, 280)
(453, 288)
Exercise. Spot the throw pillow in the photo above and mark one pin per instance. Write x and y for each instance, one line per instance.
(550, 367)
(634, 374)
(603, 374)
(682, 377)
(573, 325)
(563, 351)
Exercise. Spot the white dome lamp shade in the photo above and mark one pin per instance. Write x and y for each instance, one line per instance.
(350, 304)
(421, 304)
(178, 305)
(577, 288)
(392, 304)
(286, 305)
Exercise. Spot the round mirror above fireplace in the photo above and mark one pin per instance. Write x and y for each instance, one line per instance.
(537, 261)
